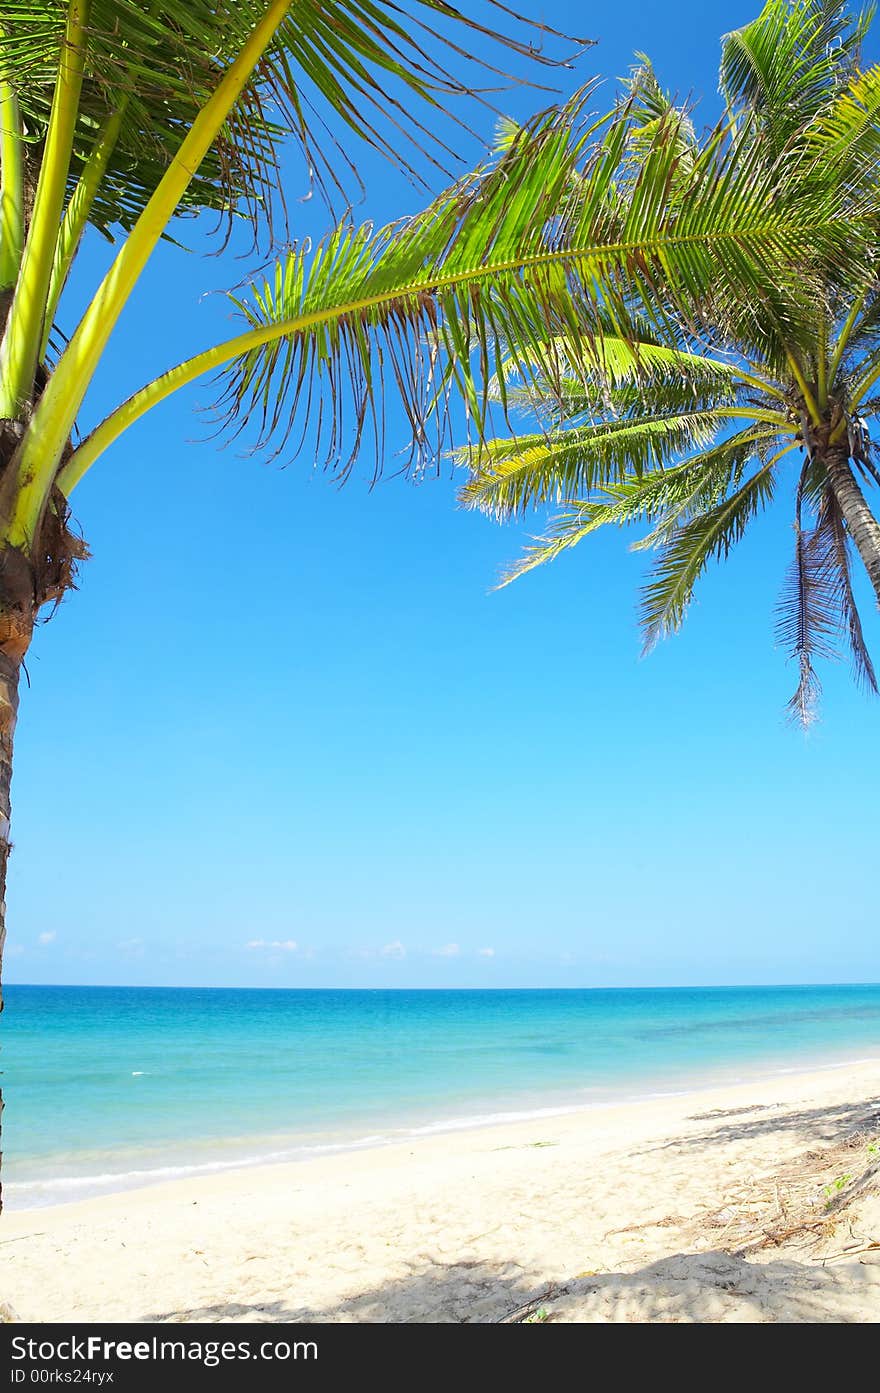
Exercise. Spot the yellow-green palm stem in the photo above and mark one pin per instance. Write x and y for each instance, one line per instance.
(52, 422)
(193, 368)
(809, 399)
(822, 365)
(768, 388)
(49, 430)
(76, 214)
(11, 188)
(757, 413)
(19, 353)
(846, 333)
(139, 403)
(739, 374)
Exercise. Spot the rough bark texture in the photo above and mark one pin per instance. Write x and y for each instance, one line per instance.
(17, 613)
(9, 671)
(26, 584)
(860, 521)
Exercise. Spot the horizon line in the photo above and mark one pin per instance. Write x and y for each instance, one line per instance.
(257, 987)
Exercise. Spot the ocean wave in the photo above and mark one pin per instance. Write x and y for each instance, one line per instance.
(35, 1192)
(64, 1188)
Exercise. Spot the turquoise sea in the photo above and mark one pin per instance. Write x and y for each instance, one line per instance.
(111, 1087)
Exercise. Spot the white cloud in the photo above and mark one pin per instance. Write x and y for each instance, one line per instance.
(486, 953)
(273, 945)
(134, 946)
(449, 950)
(394, 950)
(47, 938)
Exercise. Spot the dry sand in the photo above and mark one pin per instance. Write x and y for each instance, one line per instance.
(630, 1213)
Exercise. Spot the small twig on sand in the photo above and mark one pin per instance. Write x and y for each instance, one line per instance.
(519, 1313)
(863, 1182)
(777, 1236)
(850, 1251)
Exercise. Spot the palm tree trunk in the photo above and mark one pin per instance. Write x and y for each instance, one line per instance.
(860, 521)
(9, 670)
(17, 611)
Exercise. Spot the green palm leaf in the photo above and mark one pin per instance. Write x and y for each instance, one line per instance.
(832, 535)
(603, 370)
(663, 497)
(808, 615)
(435, 303)
(159, 64)
(687, 552)
(818, 605)
(797, 356)
(491, 265)
(780, 68)
(510, 476)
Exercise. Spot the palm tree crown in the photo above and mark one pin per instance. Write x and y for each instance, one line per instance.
(682, 414)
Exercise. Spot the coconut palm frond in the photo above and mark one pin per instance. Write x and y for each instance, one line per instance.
(705, 479)
(818, 603)
(508, 476)
(833, 543)
(605, 367)
(690, 548)
(650, 108)
(373, 64)
(779, 70)
(491, 271)
(847, 131)
(808, 615)
(575, 401)
(662, 496)
(649, 102)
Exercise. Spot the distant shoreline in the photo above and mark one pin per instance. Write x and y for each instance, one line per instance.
(63, 1191)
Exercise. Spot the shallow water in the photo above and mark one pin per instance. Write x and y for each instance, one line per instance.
(108, 1087)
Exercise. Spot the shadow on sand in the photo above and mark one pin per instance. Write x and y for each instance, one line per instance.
(434, 1291)
(685, 1287)
(821, 1125)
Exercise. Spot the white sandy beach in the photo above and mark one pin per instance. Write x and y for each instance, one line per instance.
(627, 1213)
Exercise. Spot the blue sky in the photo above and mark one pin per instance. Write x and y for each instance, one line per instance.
(286, 735)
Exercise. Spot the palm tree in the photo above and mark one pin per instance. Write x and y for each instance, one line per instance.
(685, 420)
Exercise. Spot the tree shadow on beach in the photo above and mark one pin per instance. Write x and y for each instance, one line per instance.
(704, 1287)
(432, 1292)
(712, 1287)
(828, 1124)
(719, 1287)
